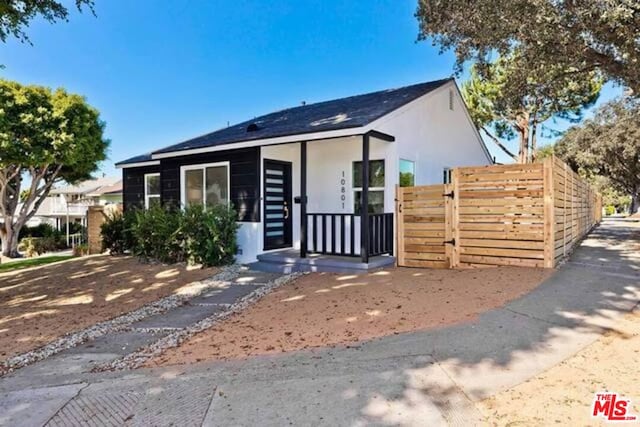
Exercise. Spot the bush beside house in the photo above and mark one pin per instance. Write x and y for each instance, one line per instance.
(196, 235)
(45, 238)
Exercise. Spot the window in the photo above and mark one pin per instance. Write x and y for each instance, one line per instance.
(376, 186)
(451, 99)
(407, 173)
(446, 176)
(206, 185)
(151, 190)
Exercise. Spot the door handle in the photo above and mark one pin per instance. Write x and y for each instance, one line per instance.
(286, 211)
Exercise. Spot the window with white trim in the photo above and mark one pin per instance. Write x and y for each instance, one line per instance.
(376, 186)
(151, 190)
(206, 185)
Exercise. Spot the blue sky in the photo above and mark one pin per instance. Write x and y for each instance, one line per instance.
(162, 72)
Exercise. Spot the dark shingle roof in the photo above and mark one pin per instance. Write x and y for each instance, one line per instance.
(344, 113)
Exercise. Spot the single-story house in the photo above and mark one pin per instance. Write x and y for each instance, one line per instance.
(299, 177)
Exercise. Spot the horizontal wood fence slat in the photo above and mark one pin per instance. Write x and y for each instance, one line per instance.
(529, 215)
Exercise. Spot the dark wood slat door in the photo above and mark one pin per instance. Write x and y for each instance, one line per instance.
(278, 209)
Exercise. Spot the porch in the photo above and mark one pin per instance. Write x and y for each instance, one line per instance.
(317, 207)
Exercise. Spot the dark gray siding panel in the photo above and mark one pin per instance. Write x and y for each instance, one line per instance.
(245, 178)
(133, 185)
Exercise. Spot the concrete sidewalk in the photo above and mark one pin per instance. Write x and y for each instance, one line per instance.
(430, 377)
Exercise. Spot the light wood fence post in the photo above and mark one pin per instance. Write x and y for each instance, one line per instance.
(449, 249)
(455, 217)
(549, 213)
(399, 226)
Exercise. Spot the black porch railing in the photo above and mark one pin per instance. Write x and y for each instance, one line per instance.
(339, 234)
(380, 234)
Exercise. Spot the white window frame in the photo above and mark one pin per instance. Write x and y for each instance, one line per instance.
(356, 189)
(147, 196)
(415, 170)
(203, 167)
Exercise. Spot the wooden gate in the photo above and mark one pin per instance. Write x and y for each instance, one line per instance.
(424, 226)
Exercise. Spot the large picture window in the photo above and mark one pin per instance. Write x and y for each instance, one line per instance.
(151, 190)
(376, 187)
(206, 185)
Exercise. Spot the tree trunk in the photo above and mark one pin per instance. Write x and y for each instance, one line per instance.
(10, 242)
(635, 200)
(523, 131)
(523, 154)
(533, 142)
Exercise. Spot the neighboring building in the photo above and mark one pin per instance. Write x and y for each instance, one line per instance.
(268, 166)
(70, 203)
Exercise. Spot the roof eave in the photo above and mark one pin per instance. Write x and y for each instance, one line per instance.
(285, 139)
(124, 165)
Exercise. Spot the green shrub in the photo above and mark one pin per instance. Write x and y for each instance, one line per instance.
(40, 230)
(609, 210)
(116, 233)
(210, 235)
(157, 234)
(32, 246)
(48, 239)
(81, 250)
(196, 235)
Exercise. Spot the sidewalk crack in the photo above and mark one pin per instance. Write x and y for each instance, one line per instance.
(533, 317)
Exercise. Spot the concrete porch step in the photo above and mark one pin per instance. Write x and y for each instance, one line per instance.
(289, 261)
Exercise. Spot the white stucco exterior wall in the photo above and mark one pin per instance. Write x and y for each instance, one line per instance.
(433, 136)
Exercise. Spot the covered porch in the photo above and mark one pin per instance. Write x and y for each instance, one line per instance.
(324, 208)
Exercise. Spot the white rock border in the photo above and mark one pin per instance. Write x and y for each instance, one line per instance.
(118, 323)
(139, 357)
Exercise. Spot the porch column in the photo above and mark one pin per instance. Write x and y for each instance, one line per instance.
(303, 199)
(364, 209)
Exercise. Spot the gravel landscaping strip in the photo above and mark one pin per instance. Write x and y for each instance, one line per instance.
(119, 323)
(136, 359)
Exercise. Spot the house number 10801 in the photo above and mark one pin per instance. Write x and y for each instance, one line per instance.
(343, 189)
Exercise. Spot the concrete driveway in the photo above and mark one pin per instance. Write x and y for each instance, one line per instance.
(429, 377)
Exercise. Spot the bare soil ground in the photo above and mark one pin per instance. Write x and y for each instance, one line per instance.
(563, 395)
(328, 309)
(47, 302)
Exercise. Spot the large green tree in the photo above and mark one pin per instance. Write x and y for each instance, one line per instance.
(507, 102)
(576, 35)
(16, 15)
(45, 137)
(608, 145)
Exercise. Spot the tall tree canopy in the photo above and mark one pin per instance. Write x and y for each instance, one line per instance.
(608, 145)
(508, 102)
(574, 35)
(16, 15)
(45, 137)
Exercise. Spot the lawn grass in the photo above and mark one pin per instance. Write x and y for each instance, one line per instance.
(34, 262)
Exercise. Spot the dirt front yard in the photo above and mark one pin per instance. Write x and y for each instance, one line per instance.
(564, 394)
(329, 309)
(42, 304)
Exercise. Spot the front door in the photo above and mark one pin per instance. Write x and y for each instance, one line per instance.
(278, 210)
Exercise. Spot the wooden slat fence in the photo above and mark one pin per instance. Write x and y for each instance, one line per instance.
(576, 208)
(501, 215)
(525, 215)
